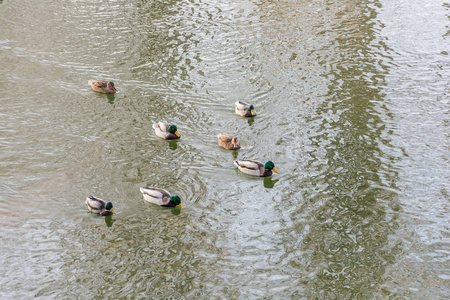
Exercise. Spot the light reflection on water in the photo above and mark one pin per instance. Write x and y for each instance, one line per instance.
(341, 220)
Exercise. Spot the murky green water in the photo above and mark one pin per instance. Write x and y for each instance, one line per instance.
(353, 108)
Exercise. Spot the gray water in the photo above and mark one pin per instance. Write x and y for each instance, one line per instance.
(353, 108)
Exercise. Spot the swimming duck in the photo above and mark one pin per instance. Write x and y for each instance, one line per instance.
(166, 131)
(99, 206)
(228, 141)
(255, 168)
(102, 86)
(160, 197)
(244, 109)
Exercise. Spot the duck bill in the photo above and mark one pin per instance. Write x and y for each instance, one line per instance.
(252, 112)
(180, 206)
(275, 170)
(177, 134)
(112, 210)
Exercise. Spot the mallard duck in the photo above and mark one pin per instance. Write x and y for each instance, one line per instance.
(102, 86)
(160, 197)
(99, 206)
(166, 131)
(255, 168)
(228, 141)
(244, 109)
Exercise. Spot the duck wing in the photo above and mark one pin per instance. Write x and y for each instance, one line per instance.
(155, 195)
(98, 83)
(242, 106)
(251, 167)
(95, 204)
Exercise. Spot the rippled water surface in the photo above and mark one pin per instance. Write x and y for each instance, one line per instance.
(353, 108)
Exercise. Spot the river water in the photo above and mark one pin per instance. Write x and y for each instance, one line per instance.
(353, 108)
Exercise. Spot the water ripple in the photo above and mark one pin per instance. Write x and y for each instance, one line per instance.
(350, 109)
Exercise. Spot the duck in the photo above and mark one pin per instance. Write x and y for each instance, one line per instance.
(166, 131)
(160, 197)
(99, 206)
(102, 86)
(256, 168)
(244, 109)
(228, 141)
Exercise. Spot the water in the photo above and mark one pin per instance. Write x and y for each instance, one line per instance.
(352, 103)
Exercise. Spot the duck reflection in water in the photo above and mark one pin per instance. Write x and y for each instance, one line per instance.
(269, 183)
(109, 221)
(234, 153)
(173, 144)
(111, 98)
(250, 121)
(175, 211)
